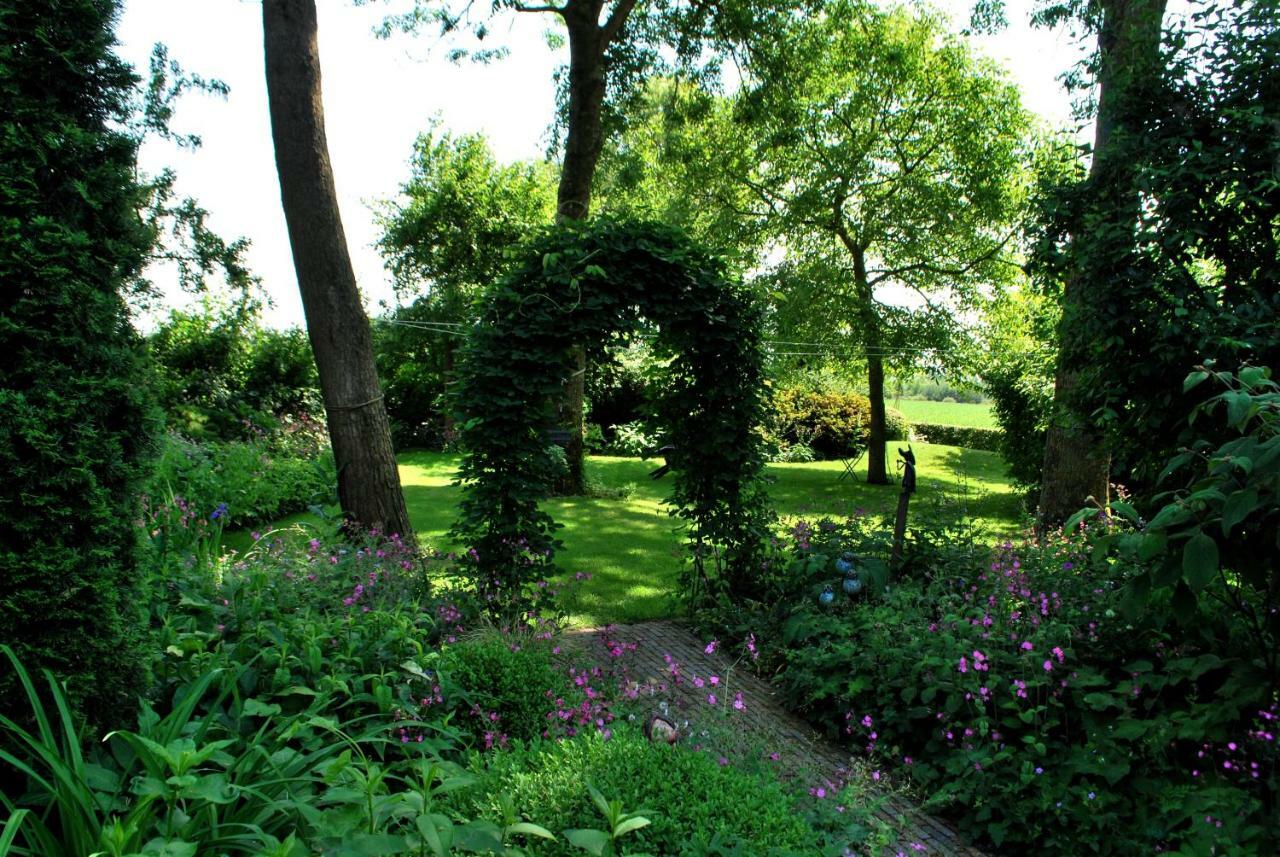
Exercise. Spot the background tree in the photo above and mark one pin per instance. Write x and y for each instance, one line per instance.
(890, 165)
(368, 481)
(613, 47)
(1180, 245)
(677, 159)
(75, 422)
(219, 374)
(1128, 66)
(448, 236)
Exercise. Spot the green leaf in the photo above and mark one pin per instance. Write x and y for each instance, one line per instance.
(1170, 516)
(169, 848)
(636, 822)
(1099, 701)
(1124, 510)
(1238, 507)
(1199, 561)
(437, 832)
(591, 841)
(257, 708)
(1127, 730)
(525, 828)
(1239, 407)
(374, 845)
(1194, 380)
(599, 800)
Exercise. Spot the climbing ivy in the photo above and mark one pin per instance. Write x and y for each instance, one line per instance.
(593, 284)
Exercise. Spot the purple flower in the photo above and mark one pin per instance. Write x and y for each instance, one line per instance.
(711, 647)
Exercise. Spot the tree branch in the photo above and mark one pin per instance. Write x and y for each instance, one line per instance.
(941, 270)
(617, 18)
(521, 7)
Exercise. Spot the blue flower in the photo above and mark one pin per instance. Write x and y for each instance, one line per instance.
(220, 512)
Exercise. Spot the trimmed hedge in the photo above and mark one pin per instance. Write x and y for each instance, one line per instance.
(75, 420)
(970, 437)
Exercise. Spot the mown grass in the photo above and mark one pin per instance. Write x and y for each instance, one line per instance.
(631, 546)
(946, 413)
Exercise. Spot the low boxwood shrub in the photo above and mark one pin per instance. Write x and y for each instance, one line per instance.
(831, 423)
(688, 796)
(969, 437)
(508, 684)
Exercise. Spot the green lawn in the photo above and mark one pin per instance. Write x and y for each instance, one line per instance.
(946, 413)
(632, 550)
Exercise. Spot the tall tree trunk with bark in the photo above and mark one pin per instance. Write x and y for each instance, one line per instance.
(1076, 461)
(877, 467)
(584, 140)
(368, 482)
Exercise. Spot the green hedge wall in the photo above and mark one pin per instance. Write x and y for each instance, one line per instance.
(75, 420)
(970, 437)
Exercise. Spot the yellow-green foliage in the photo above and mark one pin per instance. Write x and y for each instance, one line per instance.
(832, 423)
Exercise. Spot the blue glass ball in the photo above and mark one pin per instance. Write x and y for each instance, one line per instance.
(852, 585)
(827, 596)
(844, 566)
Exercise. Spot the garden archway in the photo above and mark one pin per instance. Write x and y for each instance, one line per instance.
(589, 284)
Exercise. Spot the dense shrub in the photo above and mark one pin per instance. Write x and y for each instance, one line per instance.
(509, 683)
(631, 439)
(73, 407)
(252, 482)
(220, 375)
(415, 359)
(1019, 343)
(688, 795)
(281, 720)
(969, 437)
(1016, 688)
(830, 423)
(617, 388)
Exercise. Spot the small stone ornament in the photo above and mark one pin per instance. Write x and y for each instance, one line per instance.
(852, 585)
(661, 730)
(827, 596)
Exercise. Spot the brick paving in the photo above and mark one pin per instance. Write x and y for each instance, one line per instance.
(804, 755)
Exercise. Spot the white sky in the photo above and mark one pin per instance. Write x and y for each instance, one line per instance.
(379, 95)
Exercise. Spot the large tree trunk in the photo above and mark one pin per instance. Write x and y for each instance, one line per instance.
(584, 137)
(877, 467)
(368, 482)
(584, 140)
(1076, 462)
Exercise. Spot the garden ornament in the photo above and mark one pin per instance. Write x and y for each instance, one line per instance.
(827, 596)
(908, 465)
(661, 729)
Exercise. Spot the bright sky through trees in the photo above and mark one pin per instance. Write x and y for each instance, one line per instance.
(380, 95)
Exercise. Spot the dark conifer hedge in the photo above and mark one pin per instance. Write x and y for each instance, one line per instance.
(74, 420)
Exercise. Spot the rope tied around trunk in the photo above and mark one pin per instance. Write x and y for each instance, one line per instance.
(362, 405)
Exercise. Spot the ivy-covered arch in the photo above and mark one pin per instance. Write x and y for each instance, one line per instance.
(590, 284)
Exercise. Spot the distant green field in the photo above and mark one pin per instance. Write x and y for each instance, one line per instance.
(946, 413)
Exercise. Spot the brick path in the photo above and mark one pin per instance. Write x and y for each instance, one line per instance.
(804, 755)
